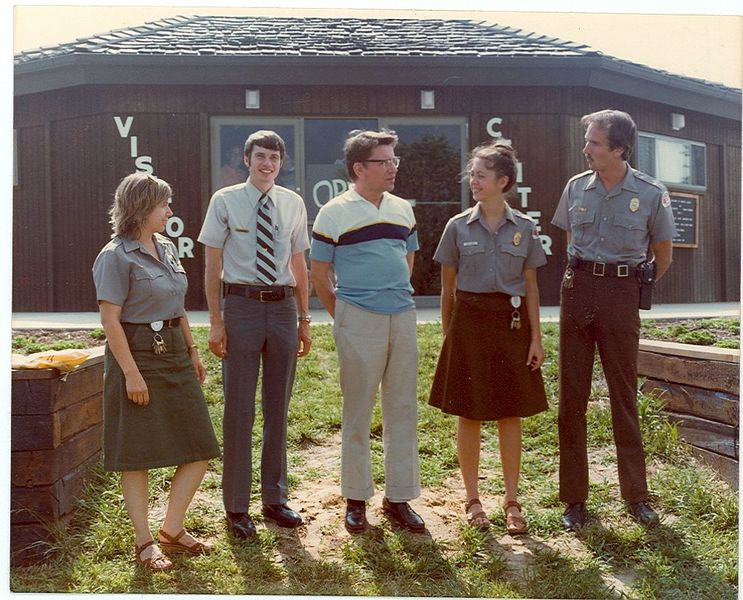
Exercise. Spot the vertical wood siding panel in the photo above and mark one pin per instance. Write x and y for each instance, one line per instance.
(30, 224)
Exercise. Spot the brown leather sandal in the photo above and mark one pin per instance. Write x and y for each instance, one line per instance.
(478, 519)
(171, 543)
(156, 562)
(515, 525)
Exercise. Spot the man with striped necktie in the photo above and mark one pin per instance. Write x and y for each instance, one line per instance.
(255, 235)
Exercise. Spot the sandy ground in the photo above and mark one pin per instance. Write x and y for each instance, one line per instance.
(323, 535)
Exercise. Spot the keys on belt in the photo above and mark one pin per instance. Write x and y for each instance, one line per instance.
(264, 293)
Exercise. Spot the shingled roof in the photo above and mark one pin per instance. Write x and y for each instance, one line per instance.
(313, 36)
(207, 50)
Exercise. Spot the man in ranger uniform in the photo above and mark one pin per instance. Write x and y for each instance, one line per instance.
(613, 215)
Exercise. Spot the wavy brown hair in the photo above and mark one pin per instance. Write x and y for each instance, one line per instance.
(498, 157)
(619, 126)
(135, 198)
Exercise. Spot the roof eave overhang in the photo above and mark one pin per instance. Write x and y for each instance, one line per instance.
(575, 71)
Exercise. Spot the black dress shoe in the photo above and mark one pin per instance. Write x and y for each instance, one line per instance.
(240, 525)
(355, 516)
(643, 513)
(282, 515)
(574, 516)
(403, 515)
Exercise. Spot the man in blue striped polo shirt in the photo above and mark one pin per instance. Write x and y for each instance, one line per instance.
(367, 236)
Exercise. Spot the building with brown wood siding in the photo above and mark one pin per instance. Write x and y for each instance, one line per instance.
(176, 96)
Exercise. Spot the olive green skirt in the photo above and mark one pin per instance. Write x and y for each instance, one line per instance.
(174, 428)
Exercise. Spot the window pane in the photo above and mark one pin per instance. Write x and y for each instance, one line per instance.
(673, 161)
(646, 155)
(431, 162)
(698, 166)
(229, 154)
(325, 166)
(431, 155)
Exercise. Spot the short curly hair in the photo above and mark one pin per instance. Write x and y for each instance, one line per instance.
(135, 198)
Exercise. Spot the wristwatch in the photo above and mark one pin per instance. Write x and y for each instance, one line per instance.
(307, 318)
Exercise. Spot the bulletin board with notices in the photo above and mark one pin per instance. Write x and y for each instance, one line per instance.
(686, 216)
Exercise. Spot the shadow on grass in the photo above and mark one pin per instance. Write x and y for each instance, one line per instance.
(307, 574)
(663, 562)
(540, 571)
(399, 563)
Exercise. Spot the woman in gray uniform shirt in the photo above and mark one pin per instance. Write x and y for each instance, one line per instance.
(154, 413)
(489, 366)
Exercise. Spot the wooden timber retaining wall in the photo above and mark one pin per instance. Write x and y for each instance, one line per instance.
(701, 389)
(56, 437)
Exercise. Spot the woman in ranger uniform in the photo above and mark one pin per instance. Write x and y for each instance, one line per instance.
(489, 366)
(154, 413)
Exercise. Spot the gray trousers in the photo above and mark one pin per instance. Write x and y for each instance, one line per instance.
(257, 332)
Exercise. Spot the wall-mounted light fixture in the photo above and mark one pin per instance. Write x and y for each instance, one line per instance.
(428, 100)
(678, 121)
(252, 98)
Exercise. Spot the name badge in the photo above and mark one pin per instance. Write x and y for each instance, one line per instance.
(465, 244)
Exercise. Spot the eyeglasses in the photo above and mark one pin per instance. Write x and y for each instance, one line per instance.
(385, 162)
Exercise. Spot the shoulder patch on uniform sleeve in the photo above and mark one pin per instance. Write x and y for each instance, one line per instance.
(666, 200)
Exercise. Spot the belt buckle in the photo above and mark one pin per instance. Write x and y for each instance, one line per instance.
(270, 295)
(603, 269)
(622, 270)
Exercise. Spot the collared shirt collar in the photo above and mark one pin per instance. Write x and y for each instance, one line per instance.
(255, 194)
(356, 197)
(628, 183)
(477, 213)
(130, 245)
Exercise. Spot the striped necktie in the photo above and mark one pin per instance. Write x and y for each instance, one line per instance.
(265, 257)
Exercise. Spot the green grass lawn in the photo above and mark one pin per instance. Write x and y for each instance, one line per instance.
(692, 554)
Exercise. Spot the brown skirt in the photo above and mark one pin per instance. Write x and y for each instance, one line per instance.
(482, 373)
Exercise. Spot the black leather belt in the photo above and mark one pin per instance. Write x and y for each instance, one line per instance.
(169, 323)
(264, 293)
(601, 269)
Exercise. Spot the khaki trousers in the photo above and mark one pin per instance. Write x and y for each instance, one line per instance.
(376, 349)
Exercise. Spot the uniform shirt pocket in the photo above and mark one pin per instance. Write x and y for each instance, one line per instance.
(581, 223)
(145, 282)
(472, 258)
(513, 259)
(632, 230)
